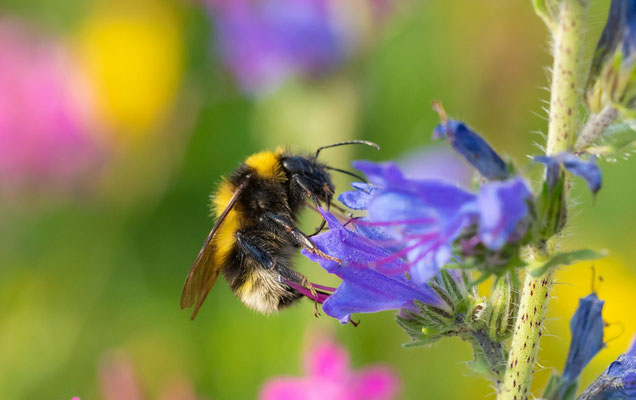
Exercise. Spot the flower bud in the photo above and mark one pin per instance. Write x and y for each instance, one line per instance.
(504, 304)
(428, 323)
(474, 149)
(466, 320)
(471, 146)
(612, 78)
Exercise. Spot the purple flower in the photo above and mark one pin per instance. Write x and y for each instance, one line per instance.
(587, 170)
(473, 148)
(586, 327)
(329, 376)
(46, 121)
(425, 217)
(372, 275)
(503, 211)
(618, 381)
(265, 41)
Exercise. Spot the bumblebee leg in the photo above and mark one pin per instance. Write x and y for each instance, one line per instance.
(299, 236)
(260, 256)
(296, 180)
(328, 195)
(263, 259)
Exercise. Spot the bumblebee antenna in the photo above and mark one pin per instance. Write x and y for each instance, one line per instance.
(343, 171)
(365, 142)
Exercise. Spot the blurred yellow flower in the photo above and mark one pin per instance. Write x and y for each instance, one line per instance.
(133, 52)
(616, 288)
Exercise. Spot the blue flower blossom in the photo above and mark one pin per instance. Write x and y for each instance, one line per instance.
(365, 289)
(425, 217)
(617, 382)
(587, 170)
(473, 148)
(503, 211)
(586, 327)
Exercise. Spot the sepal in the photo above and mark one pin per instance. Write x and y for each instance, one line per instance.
(467, 320)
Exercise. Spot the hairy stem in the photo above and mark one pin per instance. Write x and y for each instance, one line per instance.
(527, 331)
(565, 98)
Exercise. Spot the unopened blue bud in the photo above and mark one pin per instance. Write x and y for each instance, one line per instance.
(586, 327)
(474, 149)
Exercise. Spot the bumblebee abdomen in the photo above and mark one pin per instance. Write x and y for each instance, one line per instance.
(262, 291)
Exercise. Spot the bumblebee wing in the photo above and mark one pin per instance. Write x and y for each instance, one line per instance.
(204, 271)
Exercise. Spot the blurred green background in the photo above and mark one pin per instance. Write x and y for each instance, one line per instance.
(99, 269)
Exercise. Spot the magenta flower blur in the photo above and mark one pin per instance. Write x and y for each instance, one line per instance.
(328, 376)
(46, 121)
(265, 41)
(372, 275)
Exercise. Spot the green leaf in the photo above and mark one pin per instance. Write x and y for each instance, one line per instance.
(568, 258)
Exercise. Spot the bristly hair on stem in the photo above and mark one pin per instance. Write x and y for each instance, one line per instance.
(568, 32)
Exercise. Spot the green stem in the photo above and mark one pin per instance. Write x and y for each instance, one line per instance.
(567, 78)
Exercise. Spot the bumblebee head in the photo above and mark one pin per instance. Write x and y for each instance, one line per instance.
(308, 178)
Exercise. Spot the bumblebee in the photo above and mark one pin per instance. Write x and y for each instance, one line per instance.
(255, 235)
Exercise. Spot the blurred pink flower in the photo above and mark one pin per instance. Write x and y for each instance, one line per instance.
(46, 117)
(328, 376)
(118, 381)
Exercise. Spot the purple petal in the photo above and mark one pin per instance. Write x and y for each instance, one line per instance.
(586, 170)
(358, 199)
(474, 149)
(502, 206)
(363, 289)
(425, 216)
(552, 169)
(438, 162)
(380, 174)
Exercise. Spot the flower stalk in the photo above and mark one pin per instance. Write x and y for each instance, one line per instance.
(565, 98)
